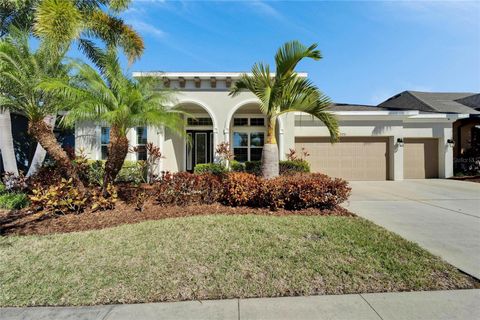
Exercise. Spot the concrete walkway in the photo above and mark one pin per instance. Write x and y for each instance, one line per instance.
(443, 216)
(448, 305)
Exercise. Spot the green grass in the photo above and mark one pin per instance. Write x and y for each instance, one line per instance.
(213, 257)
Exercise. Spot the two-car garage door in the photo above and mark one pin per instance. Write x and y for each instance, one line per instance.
(362, 158)
(367, 158)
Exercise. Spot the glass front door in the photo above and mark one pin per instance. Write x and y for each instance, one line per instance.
(200, 148)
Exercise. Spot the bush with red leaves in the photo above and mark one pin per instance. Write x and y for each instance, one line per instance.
(184, 188)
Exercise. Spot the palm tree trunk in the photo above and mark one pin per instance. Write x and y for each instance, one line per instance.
(40, 152)
(270, 165)
(6, 143)
(117, 152)
(43, 133)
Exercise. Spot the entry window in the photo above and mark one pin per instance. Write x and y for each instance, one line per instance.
(104, 142)
(141, 143)
(240, 122)
(248, 146)
(199, 122)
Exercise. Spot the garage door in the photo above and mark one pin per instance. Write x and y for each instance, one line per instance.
(351, 158)
(420, 158)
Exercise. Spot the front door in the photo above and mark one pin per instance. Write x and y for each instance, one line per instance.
(200, 150)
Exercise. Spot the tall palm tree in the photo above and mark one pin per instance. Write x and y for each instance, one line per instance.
(67, 20)
(64, 21)
(113, 99)
(284, 92)
(21, 71)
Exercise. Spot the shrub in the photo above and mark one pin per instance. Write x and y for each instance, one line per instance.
(240, 189)
(236, 166)
(13, 201)
(3, 189)
(15, 183)
(133, 171)
(213, 168)
(184, 188)
(101, 202)
(253, 167)
(301, 191)
(294, 166)
(60, 198)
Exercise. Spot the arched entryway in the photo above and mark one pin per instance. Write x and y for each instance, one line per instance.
(198, 144)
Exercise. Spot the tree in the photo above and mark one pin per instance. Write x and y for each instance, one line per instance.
(111, 98)
(21, 72)
(64, 21)
(284, 92)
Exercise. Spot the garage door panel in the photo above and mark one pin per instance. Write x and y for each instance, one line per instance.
(420, 158)
(352, 158)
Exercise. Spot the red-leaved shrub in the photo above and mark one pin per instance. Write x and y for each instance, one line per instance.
(184, 188)
(240, 189)
(301, 191)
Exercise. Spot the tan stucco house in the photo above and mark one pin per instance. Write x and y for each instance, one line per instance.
(393, 141)
(412, 135)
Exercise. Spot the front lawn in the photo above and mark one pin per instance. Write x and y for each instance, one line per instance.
(212, 257)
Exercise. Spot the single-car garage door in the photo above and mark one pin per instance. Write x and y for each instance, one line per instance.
(420, 158)
(353, 158)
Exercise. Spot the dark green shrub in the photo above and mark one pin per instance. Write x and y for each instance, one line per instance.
(3, 189)
(13, 201)
(236, 166)
(294, 166)
(213, 168)
(253, 167)
(132, 171)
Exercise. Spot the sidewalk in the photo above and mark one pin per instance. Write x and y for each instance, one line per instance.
(451, 305)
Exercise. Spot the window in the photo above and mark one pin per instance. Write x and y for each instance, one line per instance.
(257, 122)
(141, 143)
(256, 145)
(240, 122)
(199, 122)
(248, 146)
(104, 141)
(240, 146)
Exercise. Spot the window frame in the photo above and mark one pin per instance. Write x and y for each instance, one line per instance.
(249, 130)
(102, 145)
(141, 144)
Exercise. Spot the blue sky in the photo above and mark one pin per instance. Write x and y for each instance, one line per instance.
(371, 50)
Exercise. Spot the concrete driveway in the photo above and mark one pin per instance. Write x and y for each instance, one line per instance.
(443, 216)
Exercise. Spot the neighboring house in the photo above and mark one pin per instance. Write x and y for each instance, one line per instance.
(412, 135)
(465, 130)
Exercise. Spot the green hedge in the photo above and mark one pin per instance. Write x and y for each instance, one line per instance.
(12, 201)
(294, 166)
(132, 171)
(286, 167)
(213, 168)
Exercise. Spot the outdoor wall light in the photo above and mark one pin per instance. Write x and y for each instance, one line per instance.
(400, 142)
(451, 143)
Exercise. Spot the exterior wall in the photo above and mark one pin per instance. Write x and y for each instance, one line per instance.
(394, 127)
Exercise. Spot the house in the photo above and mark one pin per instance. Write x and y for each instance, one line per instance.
(412, 135)
(409, 136)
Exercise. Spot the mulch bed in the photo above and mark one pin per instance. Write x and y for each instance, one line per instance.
(468, 178)
(25, 222)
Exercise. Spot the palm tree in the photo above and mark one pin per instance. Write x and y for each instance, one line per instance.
(111, 98)
(64, 21)
(284, 92)
(21, 71)
(67, 20)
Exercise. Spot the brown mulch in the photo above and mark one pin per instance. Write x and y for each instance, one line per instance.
(468, 178)
(25, 222)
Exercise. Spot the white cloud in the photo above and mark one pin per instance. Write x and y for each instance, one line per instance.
(266, 9)
(146, 28)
